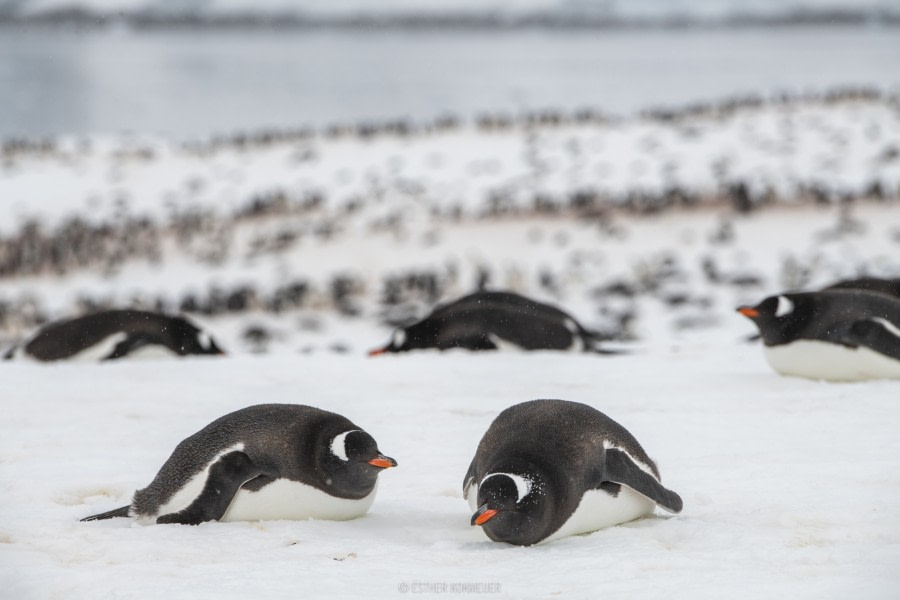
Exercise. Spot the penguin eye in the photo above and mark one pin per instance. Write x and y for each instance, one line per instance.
(339, 445)
(399, 338)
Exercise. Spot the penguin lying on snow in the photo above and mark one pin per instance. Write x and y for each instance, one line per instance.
(264, 462)
(492, 320)
(546, 469)
(113, 334)
(836, 334)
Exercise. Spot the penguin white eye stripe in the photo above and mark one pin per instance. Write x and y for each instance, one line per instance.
(523, 485)
(339, 445)
(785, 306)
(887, 325)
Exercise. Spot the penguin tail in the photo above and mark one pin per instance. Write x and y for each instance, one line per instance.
(110, 514)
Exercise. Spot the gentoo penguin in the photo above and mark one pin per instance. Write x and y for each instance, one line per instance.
(264, 462)
(546, 469)
(113, 334)
(493, 320)
(836, 335)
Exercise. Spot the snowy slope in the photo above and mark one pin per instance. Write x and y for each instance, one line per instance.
(296, 228)
(790, 486)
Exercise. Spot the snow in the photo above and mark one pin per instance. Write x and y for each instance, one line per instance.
(790, 486)
(842, 147)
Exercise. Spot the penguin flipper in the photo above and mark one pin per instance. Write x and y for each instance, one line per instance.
(877, 334)
(226, 476)
(620, 468)
(118, 512)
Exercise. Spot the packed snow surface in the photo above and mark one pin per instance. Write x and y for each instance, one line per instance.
(790, 486)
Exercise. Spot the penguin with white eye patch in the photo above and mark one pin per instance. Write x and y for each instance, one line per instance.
(835, 334)
(546, 469)
(116, 334)
(264, 462)
(494, 321)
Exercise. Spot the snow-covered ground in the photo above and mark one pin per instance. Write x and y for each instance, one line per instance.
(790, 486)
(383, 226)
(660, 225)
(505, 160)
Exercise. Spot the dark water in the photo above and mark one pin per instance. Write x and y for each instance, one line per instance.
(191, 84)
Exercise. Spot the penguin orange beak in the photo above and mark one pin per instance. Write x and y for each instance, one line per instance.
(748, 311)
(377, 351)
(483, 515)
(383, 462)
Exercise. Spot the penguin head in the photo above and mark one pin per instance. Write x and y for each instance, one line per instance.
(416, 336)
(400, 342)
(513, 505)
(776, 317)
(352, 462)
(189, 339)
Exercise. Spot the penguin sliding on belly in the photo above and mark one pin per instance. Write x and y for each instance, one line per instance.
(546, 469)
(264, 462)
(491, 321)
(114, 334)
(834, 335)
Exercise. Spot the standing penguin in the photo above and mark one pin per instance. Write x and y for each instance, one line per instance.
(264, 462)
(546, 469)
(835, 334)
(112, 334)
(492, 320)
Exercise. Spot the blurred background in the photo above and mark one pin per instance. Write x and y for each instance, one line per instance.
(302, 176)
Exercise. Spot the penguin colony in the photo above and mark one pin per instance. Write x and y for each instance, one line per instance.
(543, 470)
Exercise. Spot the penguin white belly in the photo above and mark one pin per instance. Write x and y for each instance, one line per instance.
(504, 345)
(285, 499)
(150, 352)
(599, 509)
(100, 350)
(832, 362)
